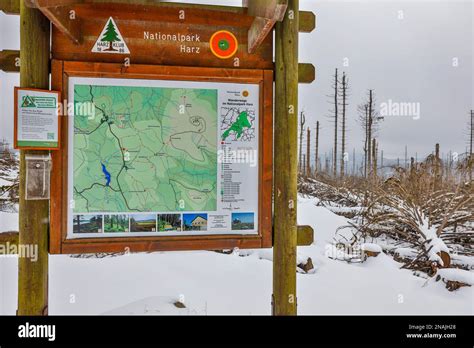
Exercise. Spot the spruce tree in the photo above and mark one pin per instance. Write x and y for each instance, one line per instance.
(110, 35)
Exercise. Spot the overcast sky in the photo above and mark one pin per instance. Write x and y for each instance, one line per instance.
(404, 50)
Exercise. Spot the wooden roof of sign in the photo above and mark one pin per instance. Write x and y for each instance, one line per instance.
(165, 33)
(78, 23)
(307, 21)
(265, 12)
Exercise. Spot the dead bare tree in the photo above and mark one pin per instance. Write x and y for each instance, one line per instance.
(304, 165)
(344, 92)
(374, 159)
(471, 131)
(406, 156)
(369, 119)
(438, 165)
(335, 117)
(308, 152)
(316, 153)
(369, 128)
(302, 123)
(353, 162)
(326, 163)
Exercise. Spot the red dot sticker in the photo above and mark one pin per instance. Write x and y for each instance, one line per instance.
(224, 44)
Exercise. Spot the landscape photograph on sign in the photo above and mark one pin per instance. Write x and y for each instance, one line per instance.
(243, 221)
(87, 223)
(116, 223)
(195, 222)
(143, 223)
(163, 147)
(169, 222)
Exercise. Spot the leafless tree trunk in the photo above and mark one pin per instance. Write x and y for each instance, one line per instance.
(438, 175)
(304, 165)
(308, 152)
(406, 156)
(364, 121)
(353, 162)
(369, 129)
(336, 92)
(302, 122)
(369, 120)
(344, 90)
(366, 146)
(470, 146)
(316, 155)
(326, 163)
(374, 159)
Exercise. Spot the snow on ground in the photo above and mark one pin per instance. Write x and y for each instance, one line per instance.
(457, 275)
(8, 221)
(239, 283)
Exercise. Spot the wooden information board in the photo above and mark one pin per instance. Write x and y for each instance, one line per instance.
(168, 145)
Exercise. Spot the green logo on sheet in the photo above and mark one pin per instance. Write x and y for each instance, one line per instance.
(38, 102)
(28, 102)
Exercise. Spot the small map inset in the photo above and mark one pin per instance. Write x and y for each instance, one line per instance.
(237, 124)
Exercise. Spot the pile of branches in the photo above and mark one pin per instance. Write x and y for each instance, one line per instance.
(415, 208)
(328, 194)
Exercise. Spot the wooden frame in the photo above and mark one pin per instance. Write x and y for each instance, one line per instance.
(59, 244)
(15, 120)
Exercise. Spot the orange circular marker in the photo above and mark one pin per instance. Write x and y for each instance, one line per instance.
(224, 44)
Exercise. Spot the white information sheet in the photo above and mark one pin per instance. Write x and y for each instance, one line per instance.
(37, 119)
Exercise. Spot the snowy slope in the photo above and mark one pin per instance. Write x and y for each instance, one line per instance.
(213, 283)
(8, 221)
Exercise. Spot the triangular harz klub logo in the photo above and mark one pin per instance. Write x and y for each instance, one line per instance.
(110, 40)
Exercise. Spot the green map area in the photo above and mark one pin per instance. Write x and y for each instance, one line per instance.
(147, 149)
(238, 126)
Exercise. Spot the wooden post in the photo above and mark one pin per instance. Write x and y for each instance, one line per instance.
(12, 6)
(286, 162)
(34, 220)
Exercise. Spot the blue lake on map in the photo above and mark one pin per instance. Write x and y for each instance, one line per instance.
(107, 174)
